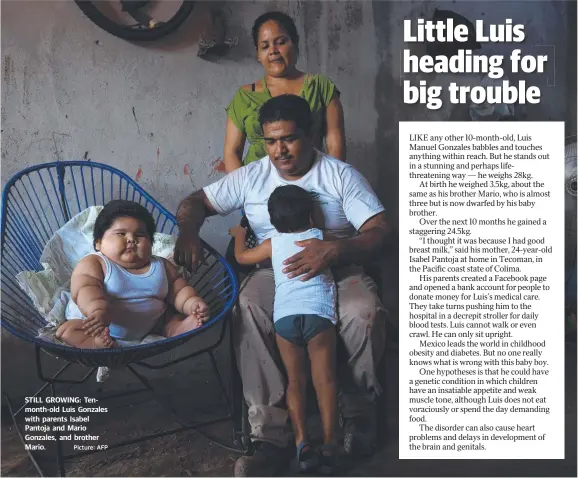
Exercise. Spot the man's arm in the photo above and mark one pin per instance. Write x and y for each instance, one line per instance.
(365, 212)
(222, 197)
(193, 211)
(366, 245)
(319, 255)
(191, 215)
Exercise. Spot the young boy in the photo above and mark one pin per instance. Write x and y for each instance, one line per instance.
(304, 317)
(122, 291)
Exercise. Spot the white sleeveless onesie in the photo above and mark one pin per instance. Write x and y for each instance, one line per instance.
(137, 301)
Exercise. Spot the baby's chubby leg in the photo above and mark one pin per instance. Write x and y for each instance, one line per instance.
(72, 333)
(178, 324)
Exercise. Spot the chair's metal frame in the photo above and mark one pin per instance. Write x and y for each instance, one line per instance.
(230, 394)
(93, 359)
(242, 415)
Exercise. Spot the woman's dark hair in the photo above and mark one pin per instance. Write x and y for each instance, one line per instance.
(290, 208)
(121, 208)
(287, 108)
(282, 19)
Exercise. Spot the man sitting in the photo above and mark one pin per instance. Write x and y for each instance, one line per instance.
(354, 225)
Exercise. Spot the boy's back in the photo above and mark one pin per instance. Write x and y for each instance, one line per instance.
(293, 296)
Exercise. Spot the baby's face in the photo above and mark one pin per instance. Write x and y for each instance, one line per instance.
(127, 243)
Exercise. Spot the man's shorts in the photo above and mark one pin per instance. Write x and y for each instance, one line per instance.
(300, 329)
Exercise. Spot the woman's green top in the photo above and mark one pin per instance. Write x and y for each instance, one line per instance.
(244, 112)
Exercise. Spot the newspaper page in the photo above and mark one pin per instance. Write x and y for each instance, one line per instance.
(484, 288)
(288, 238)
(481, 367)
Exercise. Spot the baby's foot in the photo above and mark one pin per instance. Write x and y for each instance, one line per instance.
(104, 340)
(200, 309)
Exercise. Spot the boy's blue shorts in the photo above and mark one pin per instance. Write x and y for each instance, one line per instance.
(300, 329)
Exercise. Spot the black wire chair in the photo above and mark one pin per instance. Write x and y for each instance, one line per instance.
(39, 200)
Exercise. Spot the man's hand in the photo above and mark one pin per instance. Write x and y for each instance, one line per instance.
(188, 251)
(191, 214)
(96, 322)
(238, 231)
(317, 256)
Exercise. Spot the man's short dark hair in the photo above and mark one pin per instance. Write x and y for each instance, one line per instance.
(121, 208)
(282, 19)
(287, 108)
(290, 208)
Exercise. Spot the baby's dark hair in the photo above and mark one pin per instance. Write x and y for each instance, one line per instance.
(282, 19)
(121, 208)
(290, 208)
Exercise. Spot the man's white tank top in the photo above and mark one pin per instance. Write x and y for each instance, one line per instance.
(137, 301)
(294, 296)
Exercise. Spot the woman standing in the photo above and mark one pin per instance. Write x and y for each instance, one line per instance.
(277, 43)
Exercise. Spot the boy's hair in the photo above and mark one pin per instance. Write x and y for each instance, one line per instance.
(282, 19)
(121, 208)
(290, 208)
(287, 108)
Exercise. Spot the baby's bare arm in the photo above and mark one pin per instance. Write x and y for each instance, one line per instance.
(87, 290)
(181, 295)
(87, 286)
(252, 256)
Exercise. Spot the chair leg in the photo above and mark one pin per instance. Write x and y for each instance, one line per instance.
(49, 382)
(194, 427)
(246, 428)
(234, 387)
(241, 429)
(59, 455)
(19, 432)
(221, 384)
